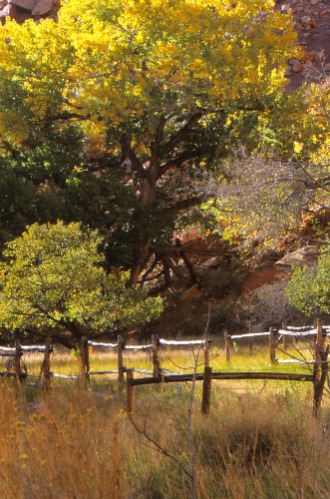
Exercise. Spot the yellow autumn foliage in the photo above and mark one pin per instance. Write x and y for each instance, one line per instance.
(110, 63)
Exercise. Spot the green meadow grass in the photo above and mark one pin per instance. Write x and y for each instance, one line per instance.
(181, 361)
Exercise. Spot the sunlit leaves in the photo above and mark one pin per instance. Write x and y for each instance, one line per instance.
(309, 289)
(52, 278)
(132, 74)
(112, 62)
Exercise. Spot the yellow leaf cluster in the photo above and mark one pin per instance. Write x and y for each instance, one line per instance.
(115, 61)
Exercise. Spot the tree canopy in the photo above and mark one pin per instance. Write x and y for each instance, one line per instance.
(142, 118)
(53, 283)
(153, 92)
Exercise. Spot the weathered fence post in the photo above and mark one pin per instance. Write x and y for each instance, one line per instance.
(18, 355)
(319, 348)
(227, 345)
(155, 358)
(45, 374)
(251, 339)
(321, 367)
(84, 361)
(319, 335)
(121, 346)
(285, 338)
(272, 345)
(130, 392)
(206, 395)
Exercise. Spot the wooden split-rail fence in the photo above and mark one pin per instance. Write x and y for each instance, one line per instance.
(317, 377)
(14, 361)
(85, 345)
(278, 338)
(154, 348)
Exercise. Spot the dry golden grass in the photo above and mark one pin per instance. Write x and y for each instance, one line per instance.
(259, 441)
(80, 444)
(63, 445)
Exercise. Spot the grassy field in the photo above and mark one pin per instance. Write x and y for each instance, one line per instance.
(259, 441)
(177, 359)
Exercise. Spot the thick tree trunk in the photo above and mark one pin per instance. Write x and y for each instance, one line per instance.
(147, 196)
(143, 254)
(160, 162)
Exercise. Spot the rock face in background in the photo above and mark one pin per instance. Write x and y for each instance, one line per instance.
(312, 22)
(21, 10)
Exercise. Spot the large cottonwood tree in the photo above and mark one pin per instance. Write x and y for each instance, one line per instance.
(159, 88)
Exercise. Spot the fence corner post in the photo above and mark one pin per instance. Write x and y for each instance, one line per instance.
(206, 396)
(319, 335)
(84, 361)
(45, 373)
(321, 367)
(18, 355)
(130, 392)
(120, 347)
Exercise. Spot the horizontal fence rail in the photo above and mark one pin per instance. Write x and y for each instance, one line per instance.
(207, 377)
(180, 378)
(161, 341)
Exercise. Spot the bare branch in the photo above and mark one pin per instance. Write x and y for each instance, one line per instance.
(184, 204)
(180, 135)
(130, 156)
(178, 161)
(158, 447)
